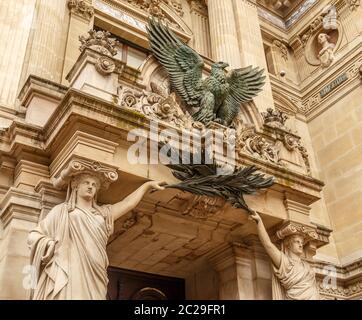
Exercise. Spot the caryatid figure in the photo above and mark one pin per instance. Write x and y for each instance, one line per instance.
(68, 248)
(293, 278)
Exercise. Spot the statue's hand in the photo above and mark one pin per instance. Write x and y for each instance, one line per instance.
(156, 185)
(49, 252)
(255, 216)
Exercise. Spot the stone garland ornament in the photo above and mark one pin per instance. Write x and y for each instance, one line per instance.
(219, 96)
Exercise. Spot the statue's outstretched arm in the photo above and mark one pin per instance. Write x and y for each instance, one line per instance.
(130, 202)
(272, 251)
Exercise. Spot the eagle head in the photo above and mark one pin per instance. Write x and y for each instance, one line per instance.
(220, 65)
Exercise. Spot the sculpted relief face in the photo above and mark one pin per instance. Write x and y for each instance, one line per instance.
(87, 187)
(295, 244)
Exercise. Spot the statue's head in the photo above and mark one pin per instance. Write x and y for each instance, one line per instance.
(220, 65)
(295, 244)
(323, 37)
(86, 185)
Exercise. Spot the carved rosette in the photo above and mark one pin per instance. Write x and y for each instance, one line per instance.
(81, 8)
(81, 166)
(105, 66)
(99, 41)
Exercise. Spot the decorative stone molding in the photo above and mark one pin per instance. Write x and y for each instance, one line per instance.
(81, 8)
(99, 41)
(347, 280)
(201, 207)
(339, 291)
(176, 5)
(198, 6)
(353, 4)
(316, 97)
(275, 117)
(282, 48)
(158, 107)
(292, 142)
(105, 65)
(79, 166)
(153, 7)
(255, 144)
(292, 228)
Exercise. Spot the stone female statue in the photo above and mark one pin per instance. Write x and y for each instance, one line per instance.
(326, 54)
(68, 248)
(293, 278)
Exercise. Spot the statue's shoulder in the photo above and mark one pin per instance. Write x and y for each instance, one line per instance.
(56, 210)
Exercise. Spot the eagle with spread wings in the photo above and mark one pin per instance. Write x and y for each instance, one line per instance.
(217, 98)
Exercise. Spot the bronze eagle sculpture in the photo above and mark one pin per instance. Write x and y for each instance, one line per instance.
(217, 98)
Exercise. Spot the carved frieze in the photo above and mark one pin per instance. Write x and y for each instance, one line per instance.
(158, 107)
(153, 7)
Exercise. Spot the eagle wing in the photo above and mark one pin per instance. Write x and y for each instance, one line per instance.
(183, 64)
(245, 84)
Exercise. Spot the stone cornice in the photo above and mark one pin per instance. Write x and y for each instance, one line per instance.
(20, 204)
(348, 280)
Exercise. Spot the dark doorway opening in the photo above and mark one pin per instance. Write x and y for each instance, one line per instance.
(132, 285)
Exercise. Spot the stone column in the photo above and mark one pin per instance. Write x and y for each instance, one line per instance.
(200, 26)
(251, 45)
(15, 23)
(223, 33)
(244, 272)
(46, 45)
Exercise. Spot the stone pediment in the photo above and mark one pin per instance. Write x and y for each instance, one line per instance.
(135, 14)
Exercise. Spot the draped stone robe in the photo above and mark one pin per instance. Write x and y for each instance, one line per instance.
(294, 280)
(78, 269)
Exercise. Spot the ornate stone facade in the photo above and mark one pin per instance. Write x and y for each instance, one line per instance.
(86, 110)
